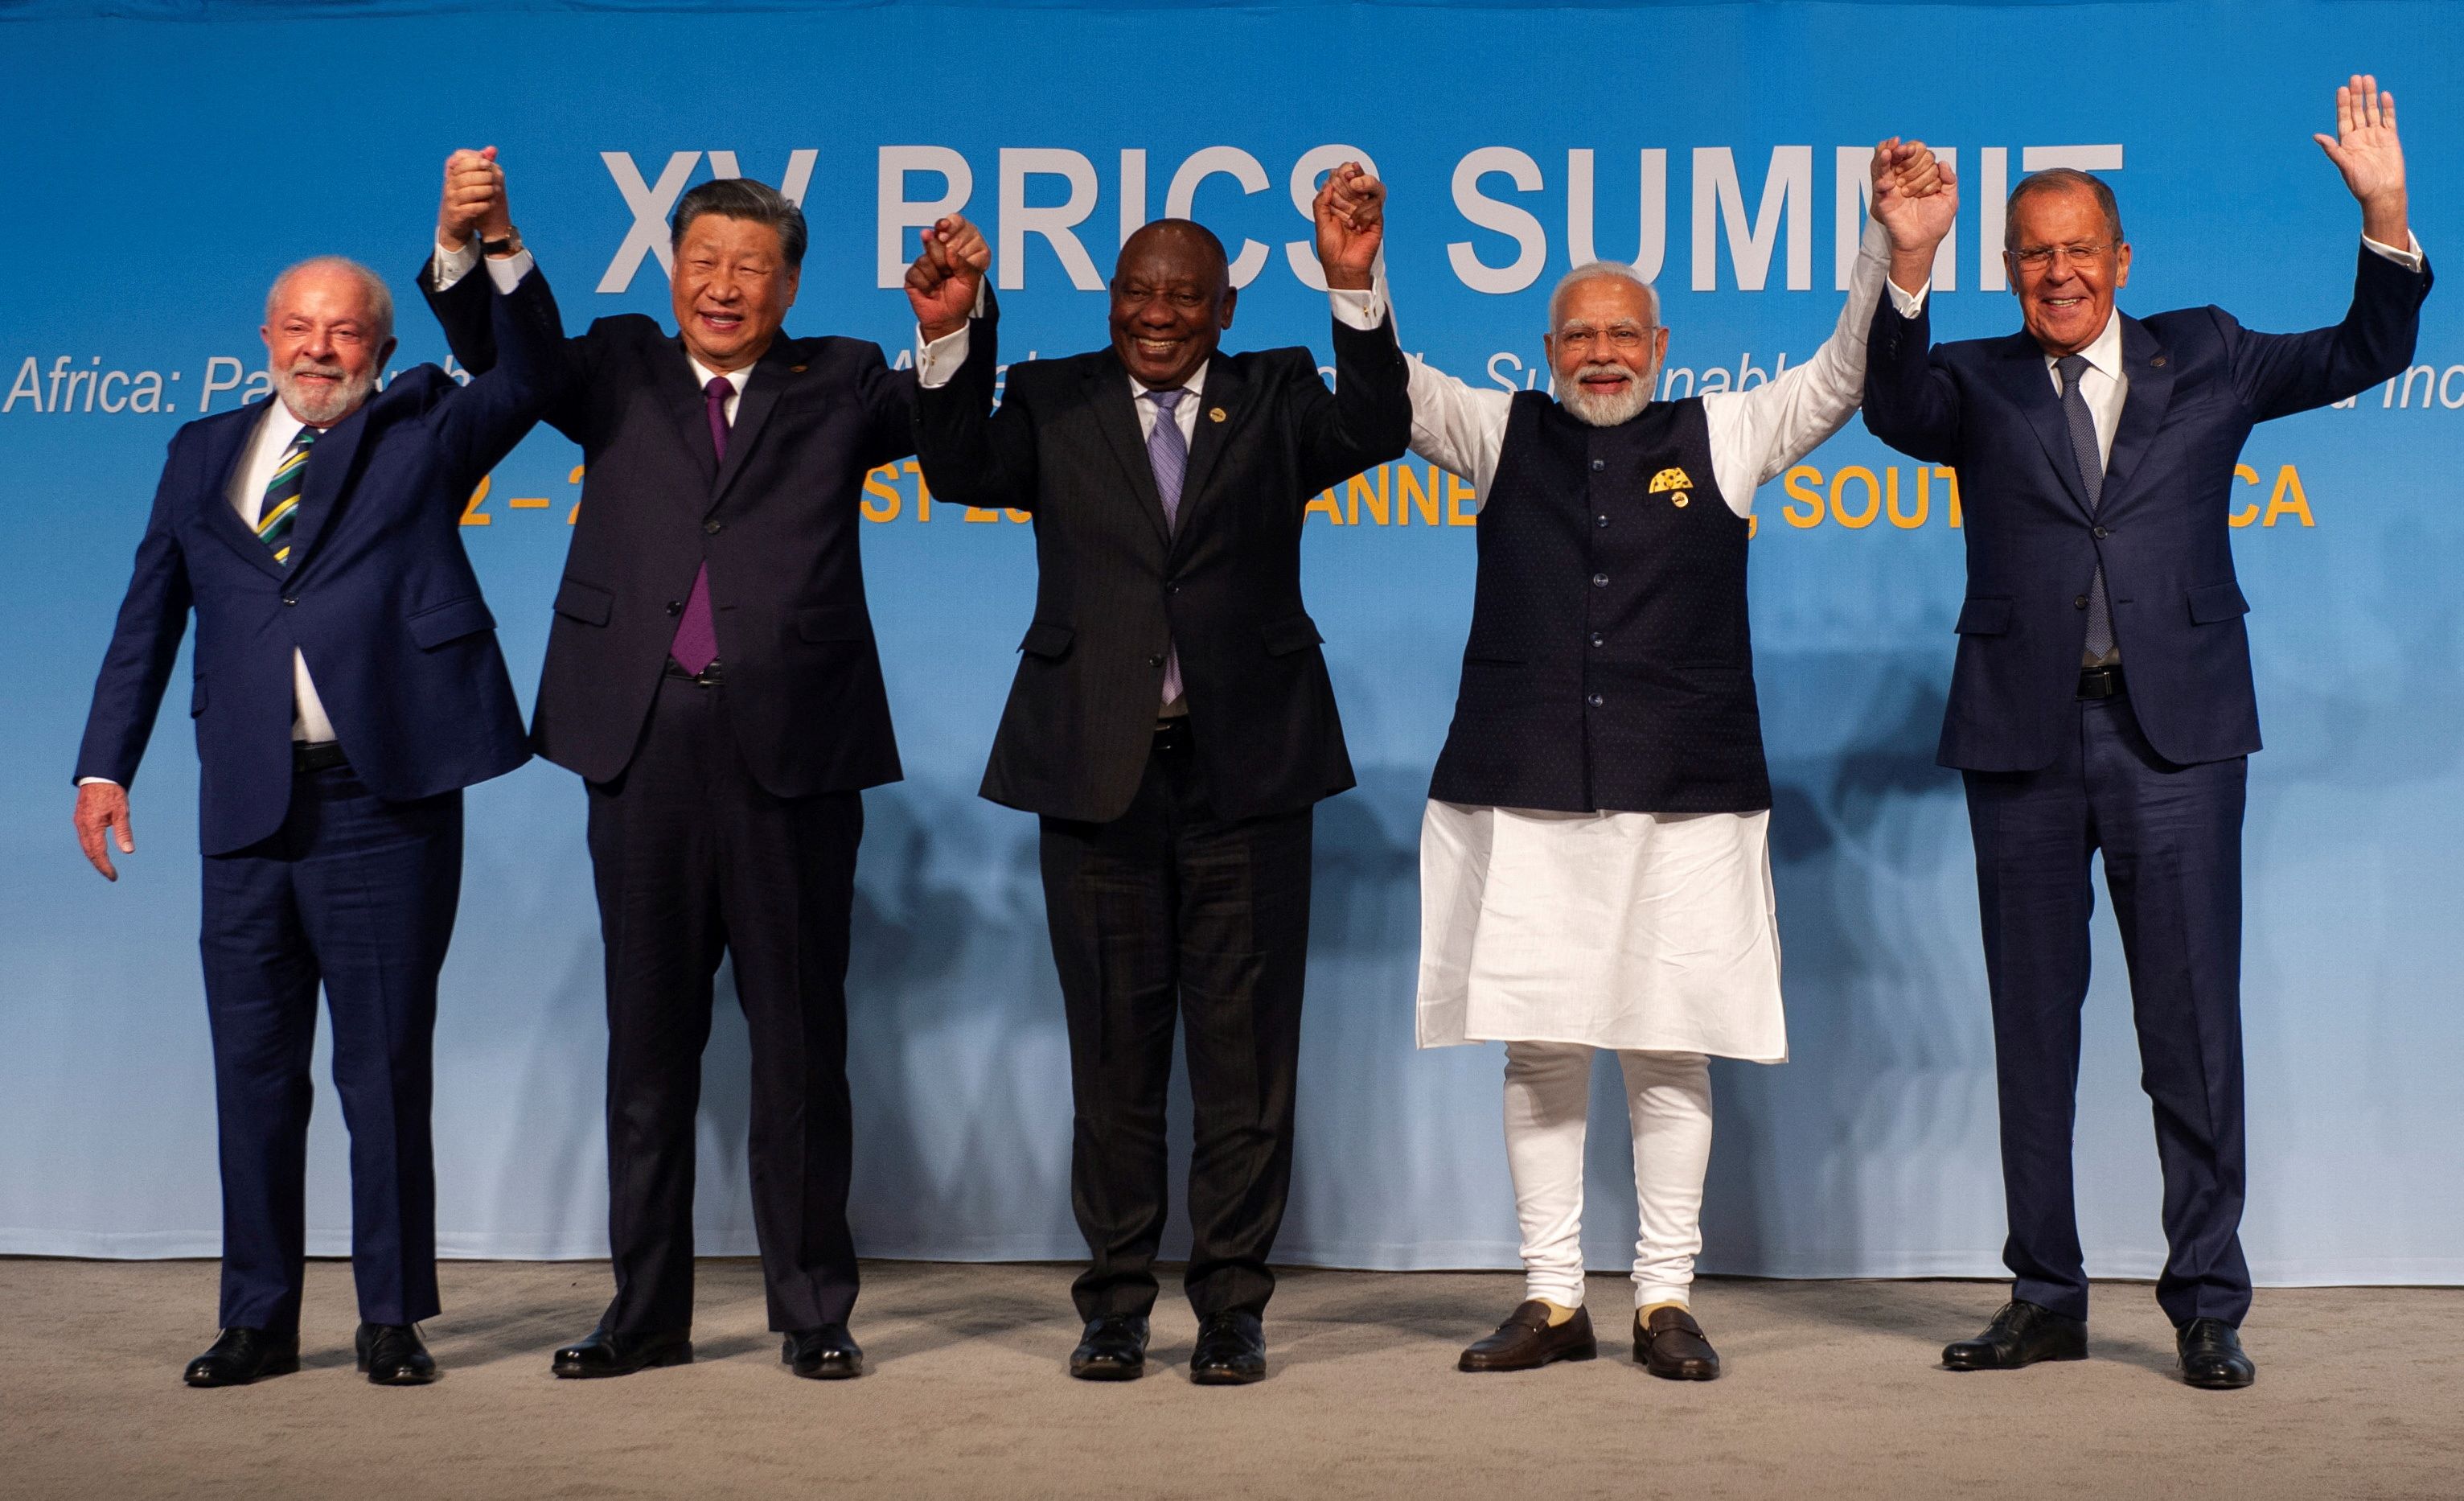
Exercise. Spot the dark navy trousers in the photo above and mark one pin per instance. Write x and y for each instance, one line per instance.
(357, 895)
(2171, 840)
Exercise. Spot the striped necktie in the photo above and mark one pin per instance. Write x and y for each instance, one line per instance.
(281, 504)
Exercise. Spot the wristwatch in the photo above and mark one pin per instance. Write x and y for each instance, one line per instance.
(499, 249)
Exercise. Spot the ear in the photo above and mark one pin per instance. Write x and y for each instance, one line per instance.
(1231, 295)
(2011, 274)
(1548, 351)
(265, 331)
(384, 356)
(795, 279)
(2121, 265)
(1659, 346)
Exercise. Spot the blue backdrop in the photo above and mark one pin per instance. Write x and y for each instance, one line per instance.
(171, 157)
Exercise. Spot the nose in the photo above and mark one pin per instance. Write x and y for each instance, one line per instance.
(319, 344)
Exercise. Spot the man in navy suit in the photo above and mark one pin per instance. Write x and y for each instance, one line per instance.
(2102, 696)
(348, 686)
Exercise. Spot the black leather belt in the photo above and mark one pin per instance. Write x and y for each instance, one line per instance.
(318, 756)
(2100, 682)
(708, 677)
(1172, 733)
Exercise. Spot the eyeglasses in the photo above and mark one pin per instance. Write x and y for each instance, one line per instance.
(1624, 338)
(2036, 257)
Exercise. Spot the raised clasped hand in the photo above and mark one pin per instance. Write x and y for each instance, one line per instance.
(1916, 194)
(1351, 215)
(473, 202)
(947, 275)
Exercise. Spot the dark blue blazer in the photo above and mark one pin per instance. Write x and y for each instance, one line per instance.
(378, 595)
(2199, 382)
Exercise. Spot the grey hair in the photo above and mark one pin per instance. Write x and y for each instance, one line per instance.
(380, 295)
(1594, 270)
(2056, 178)
(742, 198)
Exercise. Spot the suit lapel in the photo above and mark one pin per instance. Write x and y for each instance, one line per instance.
(762, 389)
(1108, 393)
(2150, 371)
(224, 450)
(1221, 411)
(680, 393)
(329, 465)
(2030, 386)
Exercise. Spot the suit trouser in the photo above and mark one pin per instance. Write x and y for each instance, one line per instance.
(694, 860)
(2171, 840)
(357, 895)
(1169, 913)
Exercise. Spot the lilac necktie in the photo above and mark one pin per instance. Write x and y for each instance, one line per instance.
(696, 642)
(1169, 452)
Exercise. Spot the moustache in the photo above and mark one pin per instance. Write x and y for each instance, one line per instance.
(312, 368)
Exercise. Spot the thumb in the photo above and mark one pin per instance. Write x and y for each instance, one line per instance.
(487, 153)
(2329, 144)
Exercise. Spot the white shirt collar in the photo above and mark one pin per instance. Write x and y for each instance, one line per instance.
(2104, 355)
(703, 375)
(1194, 385)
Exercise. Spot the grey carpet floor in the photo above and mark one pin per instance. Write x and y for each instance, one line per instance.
(1832, 1390)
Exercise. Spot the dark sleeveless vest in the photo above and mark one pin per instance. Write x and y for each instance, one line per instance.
(1609, 666)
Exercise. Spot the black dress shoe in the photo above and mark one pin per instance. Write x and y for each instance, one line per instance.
(243, 1354)
(2213, 1358)
(392, 1356)
(606, 1353)
(1231, 1351)
(1670, 1345)
(823, 1352)
(1113, 1349)
(2021, 1333)
(1526, 1342)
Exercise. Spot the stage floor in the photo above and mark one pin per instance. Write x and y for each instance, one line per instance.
(1831, 1391)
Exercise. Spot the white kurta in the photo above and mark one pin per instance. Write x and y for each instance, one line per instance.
(1623, 930)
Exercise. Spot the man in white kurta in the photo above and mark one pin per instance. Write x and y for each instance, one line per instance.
(1608, 686)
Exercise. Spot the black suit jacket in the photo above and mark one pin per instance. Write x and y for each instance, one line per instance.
(1114, 585)
(2199, 382)
(778, 524)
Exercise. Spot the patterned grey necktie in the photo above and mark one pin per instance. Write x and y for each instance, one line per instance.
(2091, 469)
(1169, 452)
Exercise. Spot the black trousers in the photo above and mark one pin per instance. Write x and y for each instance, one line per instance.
(692, 860)
(357, 895)
(1170, 914)
(2171, 840)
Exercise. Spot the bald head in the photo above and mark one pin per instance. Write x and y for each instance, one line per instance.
(1171, 300)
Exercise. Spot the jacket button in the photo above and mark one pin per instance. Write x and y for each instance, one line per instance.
(1155, 660)
(1598, 464)
(289, 599)
(711, 527)
(1597, 700)
(1599, 521)
(2101, 533)
(2080, 603)
(1599, 640)
(1172, 588)
(675, 607)
(1599, 581)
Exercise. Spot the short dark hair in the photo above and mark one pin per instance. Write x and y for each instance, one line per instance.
(742, 198)
(2055, 178)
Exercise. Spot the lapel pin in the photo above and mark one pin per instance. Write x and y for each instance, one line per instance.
(2159, 360)
(1215, 414)
(795, 369)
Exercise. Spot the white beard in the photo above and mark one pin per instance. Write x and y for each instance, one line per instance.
(1607, 411)
(321, 407)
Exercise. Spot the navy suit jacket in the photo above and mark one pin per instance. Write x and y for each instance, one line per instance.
(378, 595)
(778, 526)
(2199, 382)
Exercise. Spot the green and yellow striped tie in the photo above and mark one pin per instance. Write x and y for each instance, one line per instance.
(281, 506)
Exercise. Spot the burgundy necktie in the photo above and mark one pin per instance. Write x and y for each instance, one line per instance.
(696, 642)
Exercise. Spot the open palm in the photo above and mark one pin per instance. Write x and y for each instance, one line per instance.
(2364, 147)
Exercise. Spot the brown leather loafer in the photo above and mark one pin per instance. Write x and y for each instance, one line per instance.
(1526, 1342)
(1670, 1345)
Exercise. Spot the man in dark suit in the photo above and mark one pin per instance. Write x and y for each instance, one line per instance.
(2102, 696)
(711, 675)
(348, 686)
(1172, 724)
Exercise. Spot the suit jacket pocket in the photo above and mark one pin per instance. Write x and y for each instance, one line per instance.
(1047, 640)
(1290, 635)
(832, 622)
(1987, 615)
(2210, 603)
(433, 627)
(586, 602)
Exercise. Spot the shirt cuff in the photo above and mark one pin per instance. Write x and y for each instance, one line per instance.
(452, 265)
(936, 363)
(1908, 303)
(1358, 309)
(508, 271)
(2409, 259)
(91, 781)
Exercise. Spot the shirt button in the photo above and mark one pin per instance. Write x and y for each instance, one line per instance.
(1598, 464)
(2080, 603)
(1599, 581)
(711, 527)
(1597, 700)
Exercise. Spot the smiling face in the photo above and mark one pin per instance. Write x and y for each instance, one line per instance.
(325, 340)
(1606, 349)
(2065, 299)
(1171, 300)
(730, 289)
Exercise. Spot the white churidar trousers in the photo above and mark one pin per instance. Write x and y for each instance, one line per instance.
(1547, 1103)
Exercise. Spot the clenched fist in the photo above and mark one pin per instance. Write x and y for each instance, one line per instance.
(947, 275)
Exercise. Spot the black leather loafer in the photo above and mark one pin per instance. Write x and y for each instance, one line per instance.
(2021, 1333)
(824, 1353)
(606, 1353)
(1113, 1349)
(2213, 1358)
(1670, 1345)
(393, 1356)
(1526, 1342)
(242, 1356)
(1231, 1350)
